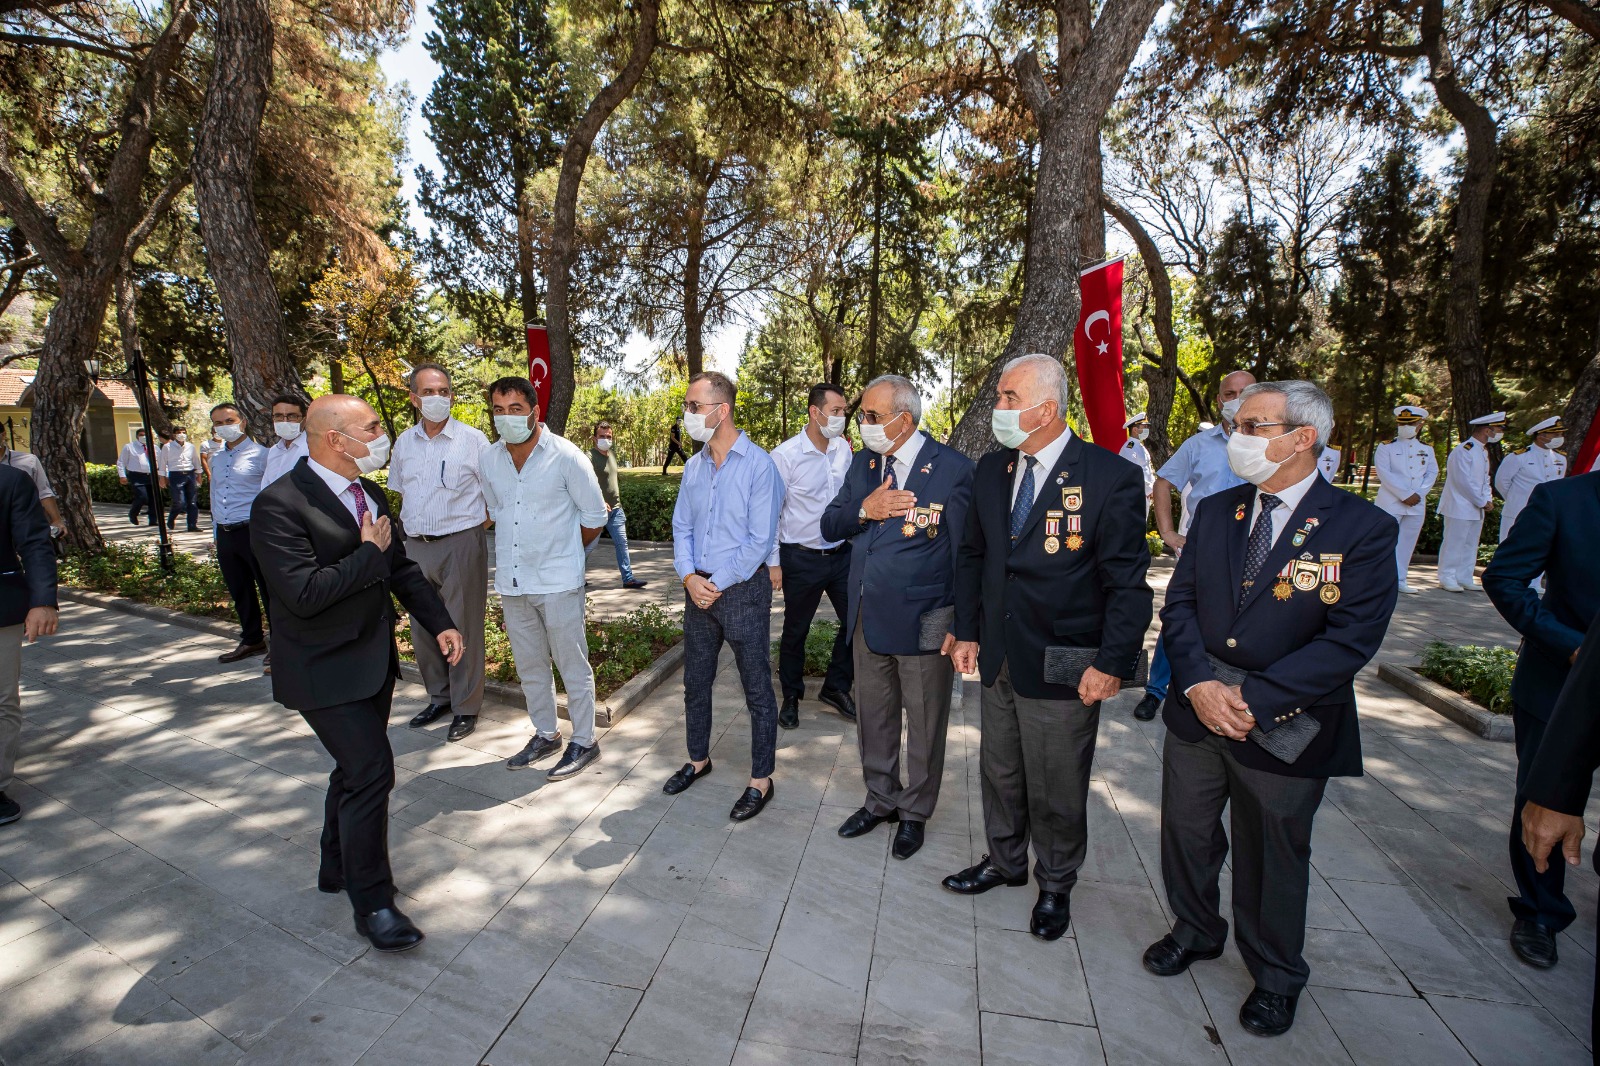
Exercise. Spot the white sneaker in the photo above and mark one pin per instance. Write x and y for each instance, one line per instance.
(1409, 591)
(1452, 588)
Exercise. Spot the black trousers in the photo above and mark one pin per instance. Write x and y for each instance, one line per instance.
(674, 451)
(1541, 897)
(355, 821)
(1270, 815)
(140, 486)
(806, 577)
(242, 574)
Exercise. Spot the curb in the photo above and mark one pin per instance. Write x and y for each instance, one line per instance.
(607, 712)
(1463, 712)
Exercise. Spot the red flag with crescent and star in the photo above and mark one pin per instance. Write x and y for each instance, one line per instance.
(1097, 346)
(539, 366)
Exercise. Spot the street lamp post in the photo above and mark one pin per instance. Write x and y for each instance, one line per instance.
(140, 372)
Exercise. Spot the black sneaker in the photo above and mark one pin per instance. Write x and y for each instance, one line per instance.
(1147, 708)
(10, 810)
(537, 749)
(573, 761)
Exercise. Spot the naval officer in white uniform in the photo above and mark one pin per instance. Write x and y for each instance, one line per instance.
(1407, 471)
(1467, 498)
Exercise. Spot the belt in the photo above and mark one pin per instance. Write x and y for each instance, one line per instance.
(231, 527)
(817, 551)
(704, 573)
(429, 538)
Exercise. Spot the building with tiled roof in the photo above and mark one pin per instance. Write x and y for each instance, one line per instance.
(111, 421)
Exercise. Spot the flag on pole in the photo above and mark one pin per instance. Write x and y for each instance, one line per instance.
(1097, 346)
(539, 366)
(1582, 461)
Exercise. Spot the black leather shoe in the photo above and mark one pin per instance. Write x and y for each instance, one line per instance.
(10, 809)
(907, 839)
(1168, 958)
(1267, 1013)
(243, 651)
(573, 761)
(461, 727)
(1533, 943)
(789, 713)
(536, 749)
(975, 880)
(389, 930)
(1051, 915)
(863, 822)
(839, 701)
(685, 777)
(1147, 708)
(634, 584)
(749, 805)
(429, 715)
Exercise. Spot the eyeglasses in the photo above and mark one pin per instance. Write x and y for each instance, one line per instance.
(873, 418)
(691, 407)
(1250, 428)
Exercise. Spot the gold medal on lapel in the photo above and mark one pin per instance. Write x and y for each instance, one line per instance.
(909, 529)
(1072, 497)
(1306, 575)
(1330, 594)
(1282, 590)
(1074, 542)
(1052, 545)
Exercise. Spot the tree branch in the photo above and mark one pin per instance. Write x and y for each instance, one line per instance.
(1030, 81)
(122, 55)
(158, 208)
(40, 229)
(1582, 15)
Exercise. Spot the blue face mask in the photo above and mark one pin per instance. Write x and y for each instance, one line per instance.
(513, 429)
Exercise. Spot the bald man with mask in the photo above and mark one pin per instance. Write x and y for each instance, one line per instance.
(331, 556)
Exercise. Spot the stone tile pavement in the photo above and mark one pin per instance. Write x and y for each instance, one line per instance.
(158, 902)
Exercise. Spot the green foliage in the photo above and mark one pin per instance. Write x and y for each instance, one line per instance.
(648, 499)
(819, 647)
(105, 488)
(1154, 542)
(1482, 674)
(195, 586)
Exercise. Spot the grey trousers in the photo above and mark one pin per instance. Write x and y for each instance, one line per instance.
(546, 627)
(1035, 756)
(889, 689)
(10, 702)
(1271, 819)
(457, 566)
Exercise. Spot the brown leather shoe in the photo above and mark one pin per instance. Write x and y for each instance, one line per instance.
(243, 651)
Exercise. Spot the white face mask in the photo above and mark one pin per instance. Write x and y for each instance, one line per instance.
(1007, 426)
(834, 427)
(1230, 410)
(1555, 442)
(435, 408)
(286, 430)
(604, 444)
(377, 452)
(695, 426)
(230, 433)
(877, 437)
(1248, 458)
(1496, 436)
(1407, 432)
(183, 438)
(1142, 435)
(513, 429)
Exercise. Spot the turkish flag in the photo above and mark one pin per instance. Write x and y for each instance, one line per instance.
(539, 366)
(1583, 461)
(1097, 346)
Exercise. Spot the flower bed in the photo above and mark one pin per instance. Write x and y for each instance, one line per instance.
(1481, 674)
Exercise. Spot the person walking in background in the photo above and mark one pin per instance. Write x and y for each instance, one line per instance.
(333, 567)
(547, 507)
(288, 417)
(1135, 452)
(1554, 535)
(435, 469)
(805, 565)
(179, 471)
(1466, 499)
(236, 479)
(675, 448)
(604, 460)
(1407, 469)
(27, 610)
(723, 528)
(133, 470)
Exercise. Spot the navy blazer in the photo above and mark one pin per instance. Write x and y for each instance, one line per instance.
(1555, 536)
(897, 576)
(1075, 577)
(1301, 637)
(27, 558)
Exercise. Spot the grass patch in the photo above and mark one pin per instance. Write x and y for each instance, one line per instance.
(819, 647)
(195, 586)
(1481, 674)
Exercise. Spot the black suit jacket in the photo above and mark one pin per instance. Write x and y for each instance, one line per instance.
(1301, 651)
(1017, 600)
(896, 579)
(1555, 536)
(332, 618)
(1563, 769)
(27, 558)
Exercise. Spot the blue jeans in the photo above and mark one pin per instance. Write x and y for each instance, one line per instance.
(185, 486)
(1160, 672)
(616, 528)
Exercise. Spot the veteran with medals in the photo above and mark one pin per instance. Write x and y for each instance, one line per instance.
(1051, 608)
(903, 500)
(1282, 594)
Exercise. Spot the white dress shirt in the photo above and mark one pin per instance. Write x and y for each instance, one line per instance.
(1289, 499)
(905, 458)
(539, 514)
(811, 479)
(235, 480)
(177, 457)
(281, 458)
(341, 488)
(1047, 458)
(437, 478)
(133, 459)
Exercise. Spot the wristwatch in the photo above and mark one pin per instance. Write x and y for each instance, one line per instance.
(861, 515)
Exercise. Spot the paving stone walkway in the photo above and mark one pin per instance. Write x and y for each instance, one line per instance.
(158, 902)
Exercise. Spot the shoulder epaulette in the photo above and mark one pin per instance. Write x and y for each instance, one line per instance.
(1468, 443)
(1559, 452)
(1518, 451)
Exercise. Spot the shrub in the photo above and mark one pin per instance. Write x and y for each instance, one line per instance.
(1154, 542)
(105, 488)
(1481, 674)
(194, 586)
(819, 647)
(648, 500)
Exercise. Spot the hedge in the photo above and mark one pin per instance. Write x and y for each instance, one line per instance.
(648, 500)
(1481, 674)
(105, 488)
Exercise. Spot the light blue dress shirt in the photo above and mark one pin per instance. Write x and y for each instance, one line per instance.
(1201, 465)
(235, 480)
(726, 519)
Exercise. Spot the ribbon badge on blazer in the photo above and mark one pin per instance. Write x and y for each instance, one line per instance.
(1304, 531)
(1052, 532)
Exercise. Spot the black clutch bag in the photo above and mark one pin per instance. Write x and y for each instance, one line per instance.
(933, 627)
(1064, 665)
(1288, 740)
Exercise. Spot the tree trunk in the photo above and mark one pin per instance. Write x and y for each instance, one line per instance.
(1065, 196)
(1162, 383)
(694, 253)
(527, 267)
(61, 398)
(224, 190)
(875, 271)
(564, 224)
(1581, 409)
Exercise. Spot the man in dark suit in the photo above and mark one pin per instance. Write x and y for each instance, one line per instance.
(902, 504)
(1560, 774)
(331, 558)
(1053, 554)
(27, 609)
(1291, 582)
(1554, 536)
